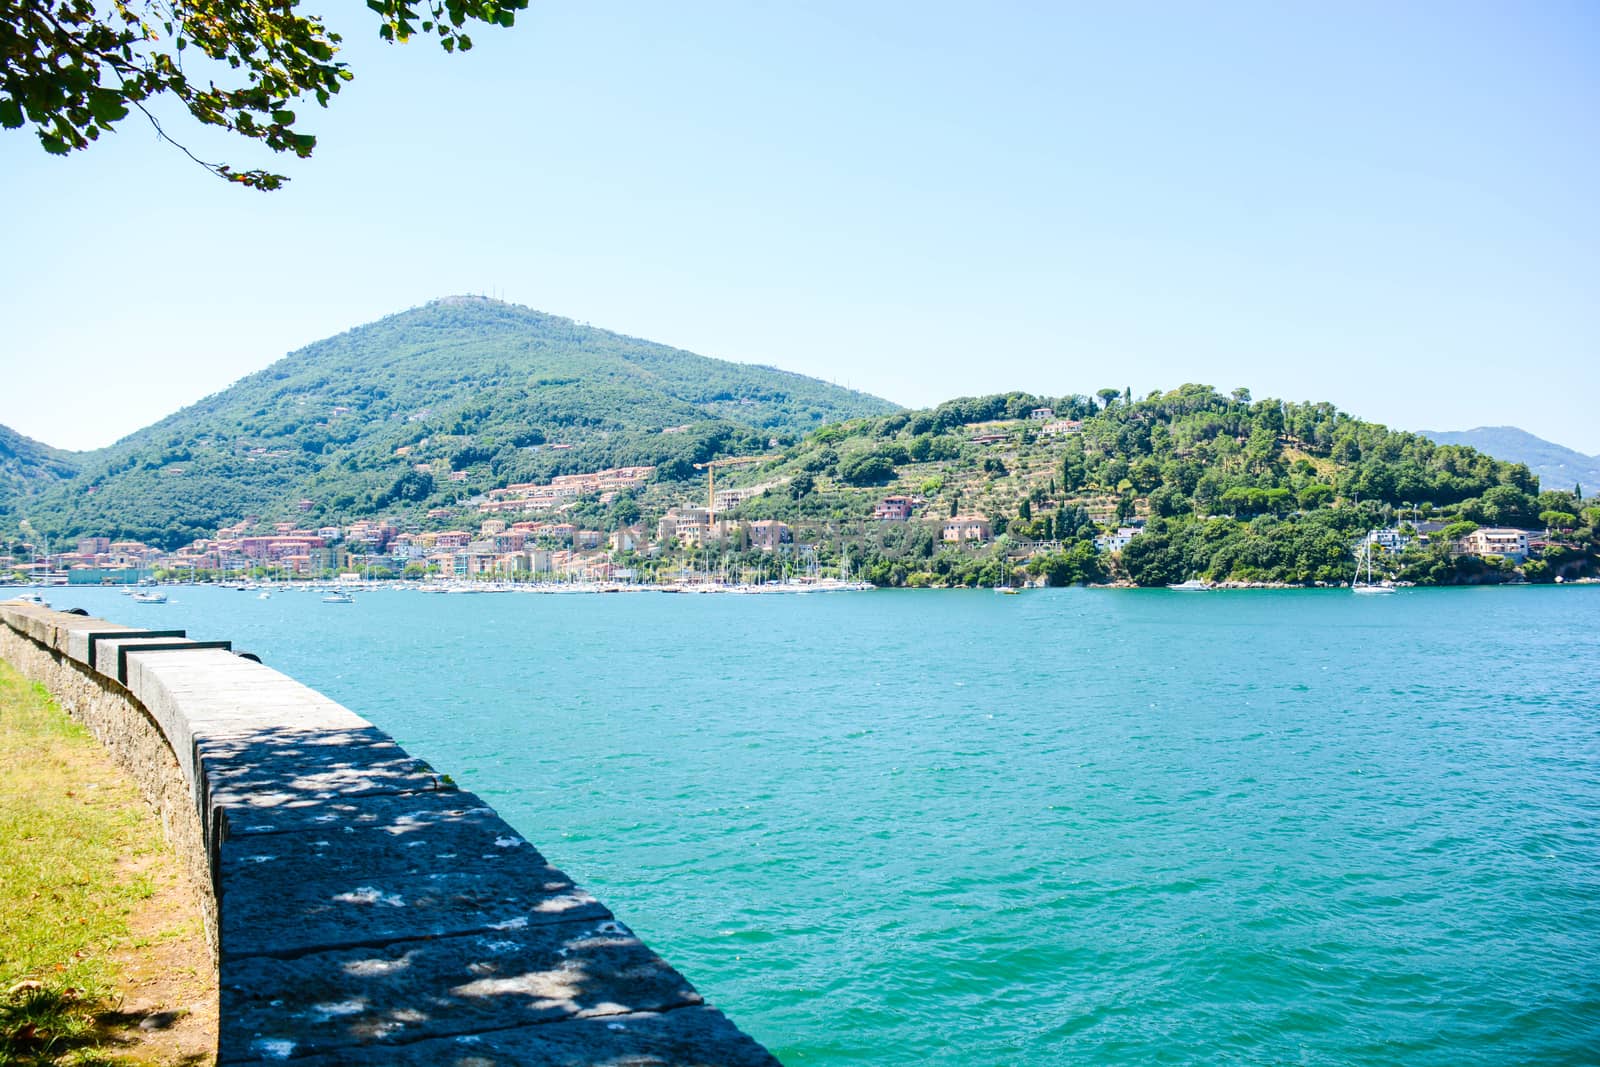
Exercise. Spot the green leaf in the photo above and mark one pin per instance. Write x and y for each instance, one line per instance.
(283, 118)
(106, 106)
(10, 114)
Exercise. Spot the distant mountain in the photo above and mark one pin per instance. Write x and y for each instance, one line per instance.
(427, 406)
(28, 467)
(1557, 467)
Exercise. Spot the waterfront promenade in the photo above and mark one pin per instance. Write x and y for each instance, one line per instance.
(362, 908)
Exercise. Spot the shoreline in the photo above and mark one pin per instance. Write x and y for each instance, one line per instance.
(327, 586)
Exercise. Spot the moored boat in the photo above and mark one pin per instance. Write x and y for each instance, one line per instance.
(1367, 585)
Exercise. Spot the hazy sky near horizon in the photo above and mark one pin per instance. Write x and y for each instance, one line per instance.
(1389, 206)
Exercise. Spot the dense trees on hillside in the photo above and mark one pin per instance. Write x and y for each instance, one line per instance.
(28, 467)
(499, 393)
(1231, 488)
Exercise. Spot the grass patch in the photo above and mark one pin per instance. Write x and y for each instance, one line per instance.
(71, 831)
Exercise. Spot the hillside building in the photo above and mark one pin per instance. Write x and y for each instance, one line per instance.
(962, 528)
(894, 509)
(688, 525)
(768, 534)
(1389, 539)
(1496, 541)
(1061, 427)
(1116, 542)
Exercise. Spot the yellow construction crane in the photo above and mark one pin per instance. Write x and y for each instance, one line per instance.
(711, 478)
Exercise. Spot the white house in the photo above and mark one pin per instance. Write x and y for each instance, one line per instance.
(1116, 542)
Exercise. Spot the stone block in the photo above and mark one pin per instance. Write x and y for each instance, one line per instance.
(683, 1037)
(358, 812)
(425, 835)
(219, 695)
(285, 911)
(76, 638)
(107, 648)
(202, 675)
(408, 991)
(269, 768)
(33, 622)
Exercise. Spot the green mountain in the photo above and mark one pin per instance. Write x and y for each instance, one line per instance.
(28, 467)
(1558, 467)
(423, 408)
(1227, 488)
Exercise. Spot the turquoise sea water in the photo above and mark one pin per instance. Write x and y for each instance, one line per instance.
(1071, 827)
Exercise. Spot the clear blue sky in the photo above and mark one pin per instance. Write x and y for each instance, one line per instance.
(1390, 206)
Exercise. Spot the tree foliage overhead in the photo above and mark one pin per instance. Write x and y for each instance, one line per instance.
(73, 69)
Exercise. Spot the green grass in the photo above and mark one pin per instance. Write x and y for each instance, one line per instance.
(69, 827)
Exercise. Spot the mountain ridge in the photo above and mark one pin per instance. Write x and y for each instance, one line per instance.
(26, 465)
(1557, 466)
(346, 421)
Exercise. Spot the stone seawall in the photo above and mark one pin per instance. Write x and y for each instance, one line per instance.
(361, 908)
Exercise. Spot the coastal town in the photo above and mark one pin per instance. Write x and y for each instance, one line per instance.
(688, 546)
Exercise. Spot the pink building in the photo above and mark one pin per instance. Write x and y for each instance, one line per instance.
(894, 509)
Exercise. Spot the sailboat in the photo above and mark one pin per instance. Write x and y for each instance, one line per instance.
(1004, 587)
(1359, 584)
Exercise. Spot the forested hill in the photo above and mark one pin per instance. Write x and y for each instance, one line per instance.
(461, 384)
(28, 466)
(1229, 488)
